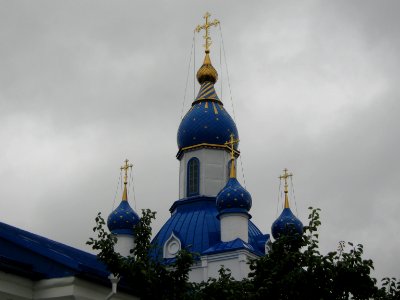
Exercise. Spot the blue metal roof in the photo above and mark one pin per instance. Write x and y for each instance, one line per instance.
(236, 244)
(287, 223)
(40, 257)
(35, 257)
(207, 121)
(194, 220)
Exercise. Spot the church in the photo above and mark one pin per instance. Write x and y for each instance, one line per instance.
(211, 218)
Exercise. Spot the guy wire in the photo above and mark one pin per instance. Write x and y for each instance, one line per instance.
(230, 93)
(294, 196)
(194, 64)
(116, 189)
(279, 197)
(133, 188)
(187, 77)
(220, 67)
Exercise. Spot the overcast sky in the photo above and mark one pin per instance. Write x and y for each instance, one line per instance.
(315, 87)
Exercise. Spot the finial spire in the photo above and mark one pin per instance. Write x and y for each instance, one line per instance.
(231, 146)
(206, 26)
(125, 168)
(285, 176)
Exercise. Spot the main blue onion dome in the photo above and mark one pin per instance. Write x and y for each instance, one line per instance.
(207, 122)
(233, 198)
(123, 219)
(286, 224)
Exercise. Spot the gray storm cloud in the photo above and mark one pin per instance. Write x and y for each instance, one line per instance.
(83, 85)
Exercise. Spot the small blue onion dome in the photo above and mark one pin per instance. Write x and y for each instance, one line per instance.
(123, 219)
(287, 223)
(233, 198)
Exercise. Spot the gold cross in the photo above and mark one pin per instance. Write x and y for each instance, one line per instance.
(206, 26)
(230, 144)
(285, 176)
(126, 168)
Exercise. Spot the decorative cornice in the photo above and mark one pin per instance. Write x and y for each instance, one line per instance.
(206, 145)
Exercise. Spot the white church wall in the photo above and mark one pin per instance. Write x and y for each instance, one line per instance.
(124, 244)
(14, 287)
(74, 288)
(196, 273)
(54, 288)
(213, 171)
(234, 226)
(236, 261)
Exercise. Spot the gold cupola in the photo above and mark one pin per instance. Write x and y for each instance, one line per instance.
(207, 72)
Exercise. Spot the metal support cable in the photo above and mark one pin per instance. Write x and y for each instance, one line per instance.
(187, 77)
(194, 64)
(294, 196)
(241, 166)
(279, 197)
(231, 98)
(133, 189)
(227, 73)
(134, 195)
(116, 189)
(220, 67)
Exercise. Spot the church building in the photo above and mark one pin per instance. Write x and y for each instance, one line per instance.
(211, 217)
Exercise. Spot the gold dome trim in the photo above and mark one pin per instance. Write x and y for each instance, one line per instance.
(206, 145)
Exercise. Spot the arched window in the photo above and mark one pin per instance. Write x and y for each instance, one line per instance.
(193, 177)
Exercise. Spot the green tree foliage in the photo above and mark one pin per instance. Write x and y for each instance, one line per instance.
(294, 268)
(390, 289)
(150, 278)
(223, 287)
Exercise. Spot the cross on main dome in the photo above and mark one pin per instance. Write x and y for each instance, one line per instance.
(206, 27)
